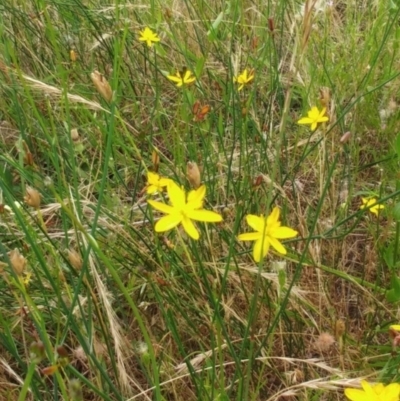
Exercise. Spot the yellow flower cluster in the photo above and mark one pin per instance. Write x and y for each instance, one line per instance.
(184, 208)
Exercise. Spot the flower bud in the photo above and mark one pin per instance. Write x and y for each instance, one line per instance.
(102, 85)
(72, 55)
(75, 259)
(62, 351)
(193, 174)
(155, 159)
(32, 197)
(18, 261)
(49, 370)
(74, 135)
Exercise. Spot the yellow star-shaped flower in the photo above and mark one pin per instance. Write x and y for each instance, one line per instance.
(148, 36)
(244, 78)
(155, 183)
(183, 209)
(314, 117)
(182, 78)
(268, 231)
(377, 392)
(370, 204)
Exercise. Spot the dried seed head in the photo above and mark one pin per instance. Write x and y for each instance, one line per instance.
(18, 261)
(340, 328)
(324, 342)
(193, 174)
(102, 85)
(325, 97)
(345, 137)
(75, 259)
(32, 197)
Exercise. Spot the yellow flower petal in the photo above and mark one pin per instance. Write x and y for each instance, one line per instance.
(167, 223)
(274, 216)
(249, 236)
(175, 78)
(190, 228)
(285, 232)
(277, 245)
(257, 223)
(196, 197)
(207, 216)
(261, 248)
(176, 195)
(305, 120)
(162, 207)
(152, 189)
(354, 394)
(187, 79)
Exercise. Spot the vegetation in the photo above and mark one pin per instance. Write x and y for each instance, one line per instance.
(199, 200)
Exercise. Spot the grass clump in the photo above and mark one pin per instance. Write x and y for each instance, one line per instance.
(144, 145)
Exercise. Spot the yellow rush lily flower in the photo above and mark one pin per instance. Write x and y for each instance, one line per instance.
(148, 36)
(155, 183)
(183, 209)
(182, 78)
(244, 78)
(314, 117)
(370, 204)
(268, 231)
(376, 392)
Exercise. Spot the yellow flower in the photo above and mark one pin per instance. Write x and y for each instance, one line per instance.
(182, 77)
(268, 232)
(155, 183)
(244, 78)
(377, 392)
(314, 117)
(395, 327)
(370, 203)
(183, 209)
(148, 36)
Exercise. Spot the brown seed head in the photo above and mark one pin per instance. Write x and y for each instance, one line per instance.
(32, 197)
(102, 85)
(340, 328)
(325, 97)
(18, 261)
(75, 259)
(155, 159)
(345, 137)
(193, 174)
